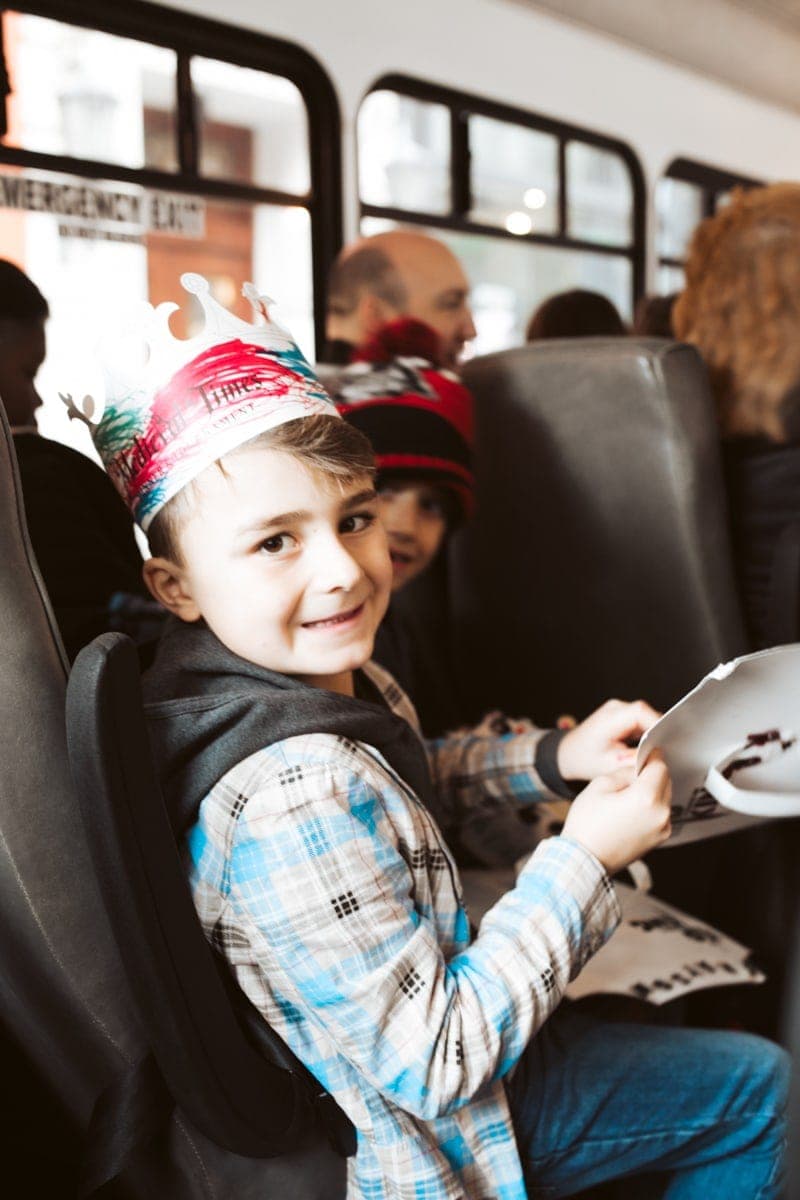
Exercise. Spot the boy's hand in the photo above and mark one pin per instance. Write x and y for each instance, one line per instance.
(619, 817)
(597, 746)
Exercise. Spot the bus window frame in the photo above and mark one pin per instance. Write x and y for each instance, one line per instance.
(712, 181)
(191, 36)
(463, 105)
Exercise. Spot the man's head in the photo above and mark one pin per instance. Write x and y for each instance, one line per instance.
(23, 312)
(279, 548)
(420, 423)
(400, 273)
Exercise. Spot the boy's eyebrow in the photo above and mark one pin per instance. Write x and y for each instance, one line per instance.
(287, 518)
(299, 515)
(362, 497)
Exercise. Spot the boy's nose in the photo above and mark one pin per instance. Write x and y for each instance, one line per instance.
(336, 569)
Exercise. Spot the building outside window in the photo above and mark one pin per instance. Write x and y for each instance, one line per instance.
(529, 205)
(125, 163)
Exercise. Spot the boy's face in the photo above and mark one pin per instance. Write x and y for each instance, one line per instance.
(414, 516)
(289, 570)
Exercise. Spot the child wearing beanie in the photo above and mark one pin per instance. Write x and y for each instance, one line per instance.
(314, 817)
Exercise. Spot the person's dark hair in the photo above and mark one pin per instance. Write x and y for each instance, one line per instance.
(365, 269)
(321, 443)
(20, 299)
(653, 316)
(577, 313)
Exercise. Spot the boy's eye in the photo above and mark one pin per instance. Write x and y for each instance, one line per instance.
(276, 543)
(356, 522)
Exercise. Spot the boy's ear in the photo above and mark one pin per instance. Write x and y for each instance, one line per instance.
(167, 584)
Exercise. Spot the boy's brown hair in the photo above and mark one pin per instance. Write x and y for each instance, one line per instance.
(321, 443)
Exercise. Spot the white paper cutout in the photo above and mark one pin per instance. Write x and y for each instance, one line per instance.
(758, 694)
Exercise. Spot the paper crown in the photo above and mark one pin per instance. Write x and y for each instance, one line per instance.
(186, 402)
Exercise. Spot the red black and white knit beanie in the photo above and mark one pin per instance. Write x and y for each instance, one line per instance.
(419, 418)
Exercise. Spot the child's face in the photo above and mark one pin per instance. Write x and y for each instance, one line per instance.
(289, 570)
(415, 521)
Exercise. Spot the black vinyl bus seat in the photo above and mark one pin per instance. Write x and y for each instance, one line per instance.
(66, 1003)
(227, 1070)
(598, 563)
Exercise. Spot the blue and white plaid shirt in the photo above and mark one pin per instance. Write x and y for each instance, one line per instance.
(329, 888)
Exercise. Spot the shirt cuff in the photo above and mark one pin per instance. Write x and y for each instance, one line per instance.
(546, 765)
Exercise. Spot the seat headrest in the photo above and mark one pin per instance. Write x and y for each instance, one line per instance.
(598, 562)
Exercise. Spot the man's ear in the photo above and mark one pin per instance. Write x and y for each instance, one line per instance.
(168, 585)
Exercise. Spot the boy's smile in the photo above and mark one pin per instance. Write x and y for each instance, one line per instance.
(288, 568)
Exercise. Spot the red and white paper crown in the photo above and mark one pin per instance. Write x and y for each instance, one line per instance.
(174, 406)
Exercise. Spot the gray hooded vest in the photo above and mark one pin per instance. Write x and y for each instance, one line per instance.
(207, 710)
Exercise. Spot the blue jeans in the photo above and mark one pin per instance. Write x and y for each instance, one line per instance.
(594, 1101)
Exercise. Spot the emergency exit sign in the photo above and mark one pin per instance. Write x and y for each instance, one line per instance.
(96, 210)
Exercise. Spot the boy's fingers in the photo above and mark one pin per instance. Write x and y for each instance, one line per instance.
(656, 776)
(616, 781)
(647, 714)
(631, 720)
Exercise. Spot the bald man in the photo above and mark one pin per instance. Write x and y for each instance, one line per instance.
(397, 274)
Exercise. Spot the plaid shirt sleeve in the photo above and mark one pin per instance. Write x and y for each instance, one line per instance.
(493, 806)
(347, 925)
(494, 803)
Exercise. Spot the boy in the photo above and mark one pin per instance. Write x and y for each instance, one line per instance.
(316, 868)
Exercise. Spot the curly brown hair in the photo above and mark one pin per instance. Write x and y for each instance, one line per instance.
(741, 308)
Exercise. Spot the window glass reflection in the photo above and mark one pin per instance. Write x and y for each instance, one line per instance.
(87, 94)
(253, 127)
(514, 176)
(670, 279)
(599, 195)
(404, 153)
(679, 208)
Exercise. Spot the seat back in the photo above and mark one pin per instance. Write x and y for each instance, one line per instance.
(66, 1000)
(64, 997)
(228, 1071)
(598, 563)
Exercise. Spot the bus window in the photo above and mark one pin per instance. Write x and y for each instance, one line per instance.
(529, 205)
(126, 163)
(404, 153)
(514, 174)
(599, 196)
